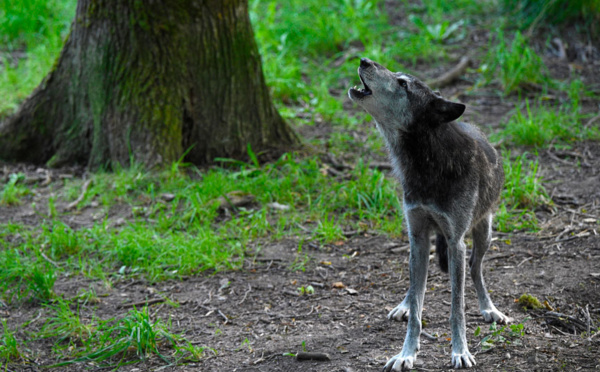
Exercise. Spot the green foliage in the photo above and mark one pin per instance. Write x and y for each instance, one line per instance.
(535, 13)
(328, 231)
(190, 233)
(308, 49)
(523, 192)
(439, 32)
(132, 338)
(515, 66)
(34, 21)
(546, 124)
(24, 275)
(507, 335)
(65, 325)
(38, 27)
(10, 348)
(13, 191)
(528, 301)
(308, 290)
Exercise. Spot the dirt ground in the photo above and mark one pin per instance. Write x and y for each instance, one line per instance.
(253, 316)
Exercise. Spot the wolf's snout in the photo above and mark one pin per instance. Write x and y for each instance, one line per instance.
(365, 62)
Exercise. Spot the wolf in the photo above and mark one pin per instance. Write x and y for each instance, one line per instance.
(451, 178)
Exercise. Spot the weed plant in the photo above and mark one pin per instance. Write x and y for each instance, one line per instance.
(66, 325)
(24, 275)
(533, 14)
(31, 37)
(13, 190)
(513, 65)
(547, 124)
(10, 348)
(133, 338)
(523, 192)
(310, 49)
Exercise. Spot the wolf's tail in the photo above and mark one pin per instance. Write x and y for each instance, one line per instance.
(441, 247)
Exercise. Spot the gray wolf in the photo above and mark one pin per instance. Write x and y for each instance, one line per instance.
(451, 178)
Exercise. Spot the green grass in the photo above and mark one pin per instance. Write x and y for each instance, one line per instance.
(190, 234)
(550, 123)
(66, 325)
(514, 65)
(31, 37)
(301, 41)
(25, 274)
(13, 190)
(523, 193)
(10, 348)
(532, 14)
(127, 340)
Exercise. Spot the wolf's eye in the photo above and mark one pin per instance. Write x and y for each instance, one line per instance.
(403, 83)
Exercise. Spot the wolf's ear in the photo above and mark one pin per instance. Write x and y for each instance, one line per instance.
(446, 111)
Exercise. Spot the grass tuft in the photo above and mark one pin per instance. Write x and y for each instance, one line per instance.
(133, 338)
(544, 125)
(10, 348)
(523, 192)
(13, 190)
(514, 66)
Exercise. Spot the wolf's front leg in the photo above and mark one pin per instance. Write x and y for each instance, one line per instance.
(461, 357)
(419, 261)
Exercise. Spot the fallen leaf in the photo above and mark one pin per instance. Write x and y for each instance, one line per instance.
(327, 263)
(338, 285)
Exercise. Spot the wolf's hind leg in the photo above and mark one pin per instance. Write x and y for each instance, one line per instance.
(401, 311)
(482, 237)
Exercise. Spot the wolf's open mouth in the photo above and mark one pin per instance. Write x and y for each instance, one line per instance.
(364, 91)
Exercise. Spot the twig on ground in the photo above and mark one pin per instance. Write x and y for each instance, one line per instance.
(84, 189)
(223, 315)
(322, 357)
(554, 157)
(142, 303)
(525, 260)
(589, 320)
(429, 336)
(451, 75)
(591, 121)
(245, 295)
(49, 260)
(380, 165)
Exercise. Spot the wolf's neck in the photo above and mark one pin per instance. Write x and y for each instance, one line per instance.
(444, 151)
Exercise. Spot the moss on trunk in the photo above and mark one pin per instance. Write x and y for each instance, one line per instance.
(148, 81)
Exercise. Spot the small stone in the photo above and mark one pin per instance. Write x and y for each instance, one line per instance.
(167, 197)
(507, 355)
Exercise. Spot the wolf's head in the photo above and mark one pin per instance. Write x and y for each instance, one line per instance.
(400, 102)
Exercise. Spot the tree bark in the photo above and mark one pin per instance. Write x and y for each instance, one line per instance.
(148, 81)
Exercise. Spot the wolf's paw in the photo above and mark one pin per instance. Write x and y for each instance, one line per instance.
(462, 360)
(493, 315)
(400, 362)
(399, 313)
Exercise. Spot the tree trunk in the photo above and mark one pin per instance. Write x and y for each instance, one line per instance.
(147, 81)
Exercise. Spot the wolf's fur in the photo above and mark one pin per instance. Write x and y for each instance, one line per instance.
(451, 178)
